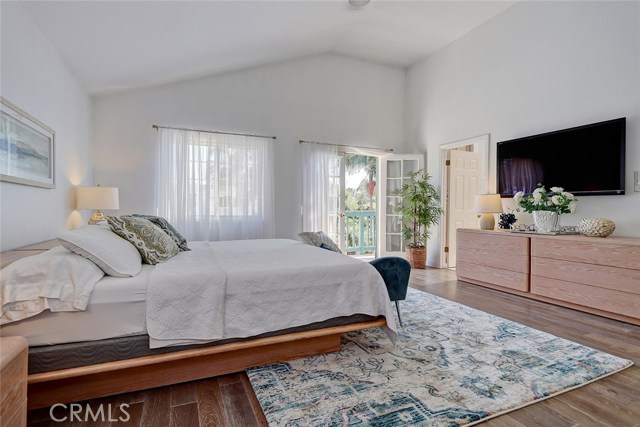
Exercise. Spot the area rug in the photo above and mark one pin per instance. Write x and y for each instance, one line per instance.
(452, 366)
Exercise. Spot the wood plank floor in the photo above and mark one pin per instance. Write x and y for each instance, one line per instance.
(229, 401)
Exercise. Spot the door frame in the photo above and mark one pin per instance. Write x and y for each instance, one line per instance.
(481, 140)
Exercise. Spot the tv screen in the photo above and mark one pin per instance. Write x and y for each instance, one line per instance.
(585, 160)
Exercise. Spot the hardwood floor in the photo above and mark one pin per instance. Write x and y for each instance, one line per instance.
(229, 401)
(216, 402)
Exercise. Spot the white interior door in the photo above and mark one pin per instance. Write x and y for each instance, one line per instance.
(465, 181)
(394, 169)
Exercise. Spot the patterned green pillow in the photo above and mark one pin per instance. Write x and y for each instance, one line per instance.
(153, 244)
(167, 228)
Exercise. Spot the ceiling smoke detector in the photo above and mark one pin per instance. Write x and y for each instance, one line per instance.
(359, 3)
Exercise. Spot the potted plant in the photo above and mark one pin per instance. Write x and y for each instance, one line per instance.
(420, 209)
(546, 206)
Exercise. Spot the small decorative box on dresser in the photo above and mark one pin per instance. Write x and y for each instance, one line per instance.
(596, 275)
(13, 381)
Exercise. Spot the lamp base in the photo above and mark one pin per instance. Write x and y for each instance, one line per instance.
(487, 221)
(97, 217)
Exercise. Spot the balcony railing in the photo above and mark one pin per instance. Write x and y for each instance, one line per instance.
(361, 233)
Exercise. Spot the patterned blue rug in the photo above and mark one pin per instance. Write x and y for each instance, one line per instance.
(453, 366)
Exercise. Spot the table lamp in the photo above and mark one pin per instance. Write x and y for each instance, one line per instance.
(97, 198)
(487, 205)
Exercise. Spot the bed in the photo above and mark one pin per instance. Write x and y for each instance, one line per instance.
(282, 300)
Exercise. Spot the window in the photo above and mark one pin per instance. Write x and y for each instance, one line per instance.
(215, 186)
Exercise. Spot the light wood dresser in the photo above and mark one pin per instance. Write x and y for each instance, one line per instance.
(596, 275)
(13, 384)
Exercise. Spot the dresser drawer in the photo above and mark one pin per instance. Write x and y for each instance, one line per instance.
(609, 300)
(620, 279)
(494, 241)
(494, 276)
(491, 258)
(588, 250)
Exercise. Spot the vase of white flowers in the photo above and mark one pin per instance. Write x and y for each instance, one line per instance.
(545, 221)
(546, 206)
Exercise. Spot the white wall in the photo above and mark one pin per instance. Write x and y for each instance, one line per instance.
(34, 78)
(325, 98)
(537, 67)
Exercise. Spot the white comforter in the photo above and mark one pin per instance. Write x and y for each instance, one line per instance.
(244, 288)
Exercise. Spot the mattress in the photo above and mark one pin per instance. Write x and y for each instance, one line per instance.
(116, 309)
(71, 355)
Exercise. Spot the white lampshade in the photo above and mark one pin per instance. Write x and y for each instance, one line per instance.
(487, 203)
(97, 198)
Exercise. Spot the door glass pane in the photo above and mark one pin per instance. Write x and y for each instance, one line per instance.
(410, 166)
(393, 223)
(393, 184)
(394, 168)
(394, 243)
(392, 202)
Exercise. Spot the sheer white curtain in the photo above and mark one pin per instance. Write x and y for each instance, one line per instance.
(321, 189)
(214, 186)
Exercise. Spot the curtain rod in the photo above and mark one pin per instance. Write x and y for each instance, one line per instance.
(386, 150)
(156, 127)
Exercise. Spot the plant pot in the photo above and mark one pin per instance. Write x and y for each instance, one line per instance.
(417, 257)
(546, 221)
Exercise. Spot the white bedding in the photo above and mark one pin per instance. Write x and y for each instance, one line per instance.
(272, 284)
(186, 298)
(116, 308)
(57, 280)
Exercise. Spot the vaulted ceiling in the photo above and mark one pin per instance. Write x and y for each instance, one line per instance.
(112, 45)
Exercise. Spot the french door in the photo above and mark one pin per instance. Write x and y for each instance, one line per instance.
(394, 170)
(335, 199)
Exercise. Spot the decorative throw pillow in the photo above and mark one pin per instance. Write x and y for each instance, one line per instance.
(167, 228)
(113, 254)
(154, 245)
(317, 238)
(325, 246)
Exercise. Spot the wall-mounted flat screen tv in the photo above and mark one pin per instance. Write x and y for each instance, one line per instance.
(584, 160)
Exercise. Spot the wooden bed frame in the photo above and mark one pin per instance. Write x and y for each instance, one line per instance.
(106, 379)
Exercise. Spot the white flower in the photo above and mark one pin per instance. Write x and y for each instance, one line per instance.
(537, 197)
(556, 200)
(568, 196)
(572, 206)
(557, 189)
(538, 190)
(517, 197)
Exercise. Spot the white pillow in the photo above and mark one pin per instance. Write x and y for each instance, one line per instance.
(114, 255)
(57, 280)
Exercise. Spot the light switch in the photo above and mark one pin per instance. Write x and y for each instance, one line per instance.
(636, 181)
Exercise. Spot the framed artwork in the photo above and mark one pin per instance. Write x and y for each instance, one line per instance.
(27, 148)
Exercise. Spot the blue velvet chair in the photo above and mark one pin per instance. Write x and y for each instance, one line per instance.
(395, 273)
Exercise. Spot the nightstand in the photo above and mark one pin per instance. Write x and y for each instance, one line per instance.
(13, 381)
